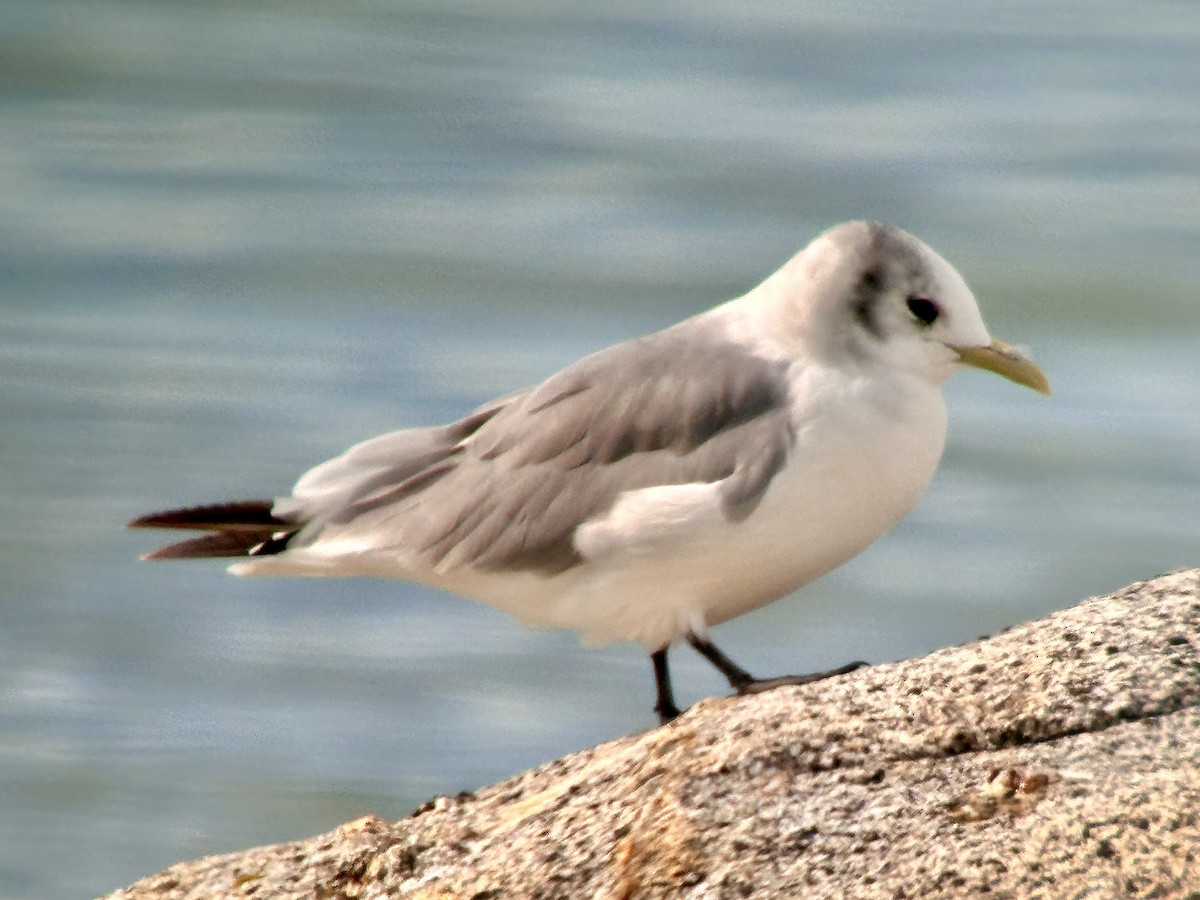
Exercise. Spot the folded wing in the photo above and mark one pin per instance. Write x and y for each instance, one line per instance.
(506, 487)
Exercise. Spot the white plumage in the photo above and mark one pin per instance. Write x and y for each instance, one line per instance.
(667, 484)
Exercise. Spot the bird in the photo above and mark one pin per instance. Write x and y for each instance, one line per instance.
(665, 484)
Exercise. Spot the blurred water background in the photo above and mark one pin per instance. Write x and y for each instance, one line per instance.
(235, 238)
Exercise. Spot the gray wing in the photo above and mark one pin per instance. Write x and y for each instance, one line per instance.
(506, 487)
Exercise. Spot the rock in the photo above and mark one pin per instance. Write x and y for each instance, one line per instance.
(1058, 759)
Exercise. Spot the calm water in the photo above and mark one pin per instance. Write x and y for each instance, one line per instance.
(236, 238)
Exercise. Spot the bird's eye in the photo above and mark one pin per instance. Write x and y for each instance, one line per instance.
(924, 309)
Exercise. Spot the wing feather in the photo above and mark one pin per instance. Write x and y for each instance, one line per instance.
(507, 487)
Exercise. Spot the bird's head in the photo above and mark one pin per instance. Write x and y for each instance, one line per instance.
(877, 293)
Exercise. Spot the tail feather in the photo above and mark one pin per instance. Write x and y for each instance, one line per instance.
(243, 528)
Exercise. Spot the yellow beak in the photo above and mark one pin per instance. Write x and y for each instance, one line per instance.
(1006, 360)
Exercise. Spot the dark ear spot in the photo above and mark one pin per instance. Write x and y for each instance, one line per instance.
(866, 300)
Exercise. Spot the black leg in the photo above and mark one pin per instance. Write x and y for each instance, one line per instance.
(737, 676)
(665, 707)
(743, 682)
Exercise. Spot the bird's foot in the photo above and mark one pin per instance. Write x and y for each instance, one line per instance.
(751, 685)
(667, 712)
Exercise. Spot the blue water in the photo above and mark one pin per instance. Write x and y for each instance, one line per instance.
(236, 238)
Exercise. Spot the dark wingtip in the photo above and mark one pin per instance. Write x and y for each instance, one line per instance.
(150, 520)
(244, 515)
(221, 544)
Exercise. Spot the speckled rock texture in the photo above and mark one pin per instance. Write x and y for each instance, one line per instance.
(1060, 759)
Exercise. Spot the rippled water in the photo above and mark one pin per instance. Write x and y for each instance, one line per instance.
(236, 238)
